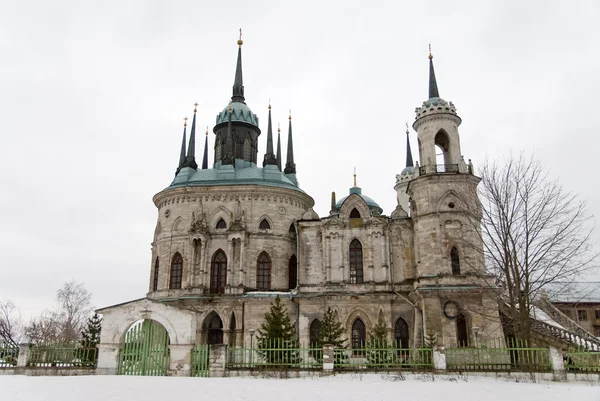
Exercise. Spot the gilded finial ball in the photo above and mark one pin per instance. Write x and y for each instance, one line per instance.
(269, 106)
(430, 56)
(240, 42)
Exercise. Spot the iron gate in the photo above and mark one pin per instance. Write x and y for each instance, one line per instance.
(145, 351)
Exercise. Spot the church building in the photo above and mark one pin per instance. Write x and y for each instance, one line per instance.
(231, 237)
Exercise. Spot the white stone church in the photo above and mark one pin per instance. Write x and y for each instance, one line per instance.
(232, 237)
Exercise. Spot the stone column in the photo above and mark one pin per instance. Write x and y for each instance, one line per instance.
(229, 263)
(23, 355)
(558, 364)
(108, 359)
(242, 280)
(180, 356)
(218, 358)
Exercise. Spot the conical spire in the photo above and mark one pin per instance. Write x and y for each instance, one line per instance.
(409, 159)
(278, 156)
(433, 89)
(290, 166)
(205, 157)
(182, 153)
(269, 155)
(190, 160)
(238, 83)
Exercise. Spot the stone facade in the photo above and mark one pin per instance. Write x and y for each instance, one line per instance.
(228, 240)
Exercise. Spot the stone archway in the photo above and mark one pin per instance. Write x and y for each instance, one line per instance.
(145, 350)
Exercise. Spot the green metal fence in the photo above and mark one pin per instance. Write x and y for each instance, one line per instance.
(200, 360)
(498, 356)
(383, 355)
(46, 356)
(275, 353)
(581, 360)
(8, 355)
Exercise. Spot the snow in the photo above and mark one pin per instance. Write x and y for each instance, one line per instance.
(349, 387)
(544, 317)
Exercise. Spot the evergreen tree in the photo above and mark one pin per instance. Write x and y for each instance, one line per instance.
(90, 338)
(379, 352)
(277, 342)
(331, 331)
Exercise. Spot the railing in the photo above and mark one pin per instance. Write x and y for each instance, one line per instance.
(383, 356)
(8, 355)
(200, 360)
(517, 356)
(587, 342)
(581, 360)
(62, 357)
(439, 169)
(275, 353)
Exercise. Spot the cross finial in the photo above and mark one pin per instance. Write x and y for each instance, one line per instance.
(240, 42)
(355, 177)
(195, 107)
(290, 117)
(430, 55)
(407, 128)
(278, 127)
(207, 130)
(185, 122)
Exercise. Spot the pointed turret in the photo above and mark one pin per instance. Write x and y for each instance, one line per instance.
(409, 159)
(238, 82)
(290, 166)
(182, 153)
(278, 156)
(433, 89)
(190, 160)
(269, 155)
(205, 156)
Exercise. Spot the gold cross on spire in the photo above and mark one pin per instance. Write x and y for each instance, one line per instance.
(354, 176)
(240, 41)
(430, 55)
(207, 130)
(195, 107)
(407, 128)
(185, 122)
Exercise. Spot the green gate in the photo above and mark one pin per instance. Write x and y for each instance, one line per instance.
(145, 351)
(201, 360)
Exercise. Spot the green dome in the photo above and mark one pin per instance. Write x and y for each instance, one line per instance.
(435, 101)
(407, 170)
(373, 206)
(240, 112)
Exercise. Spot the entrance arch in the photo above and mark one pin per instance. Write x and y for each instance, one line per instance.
(145, 350)
(214, 326)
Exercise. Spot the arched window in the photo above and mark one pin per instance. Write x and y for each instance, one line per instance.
(218, 273)
(359, 334)
(263, 272)
(315, 328)
(355, 214)
(218, 148)
(215, 330)
(176, 271)
(401, 333)
(264, 225)
(292, 230)
(155, 283)
(221, 224)
(292, 272)
(462, 334)
(442, 144)
(247, 147)
(232, 327)
(455, 261)
(356, 262)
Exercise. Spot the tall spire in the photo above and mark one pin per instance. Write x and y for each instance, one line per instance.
(238, 83)
(290, 166)
(278, 156)
(433, 89)
(269, 155)
(182, 153)
(409, 159)
(190, 160)
(205, 157)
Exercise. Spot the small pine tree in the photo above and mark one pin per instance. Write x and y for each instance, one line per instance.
(277, 333)
(430, 339)
(331, 331)
(90, 338)
(379, 353)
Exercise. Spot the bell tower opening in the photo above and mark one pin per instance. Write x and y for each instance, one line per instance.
(442, 148)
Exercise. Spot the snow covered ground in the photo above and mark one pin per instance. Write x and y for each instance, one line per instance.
(350, 387)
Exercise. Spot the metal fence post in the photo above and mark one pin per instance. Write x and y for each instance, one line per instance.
(23, 355)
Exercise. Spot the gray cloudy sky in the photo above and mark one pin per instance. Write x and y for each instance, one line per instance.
(93, 96)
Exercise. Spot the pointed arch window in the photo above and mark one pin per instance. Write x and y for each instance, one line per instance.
(263, 272)
(218, 273)
(355, 214)
(215, 330)
(292, 272)
(356, 262)
(359, 334)
(232, 328)
(247, 149)
(264, 225)
(315, 329)
(221, 224)
(462, 334)
(455, 261)
(176, 271)
(292, 230)
(156, 270)
(401, 334)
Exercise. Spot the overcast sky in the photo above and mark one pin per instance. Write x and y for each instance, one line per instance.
(93, 96)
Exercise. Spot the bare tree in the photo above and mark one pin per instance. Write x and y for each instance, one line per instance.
(534, 233)
(10, 323)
